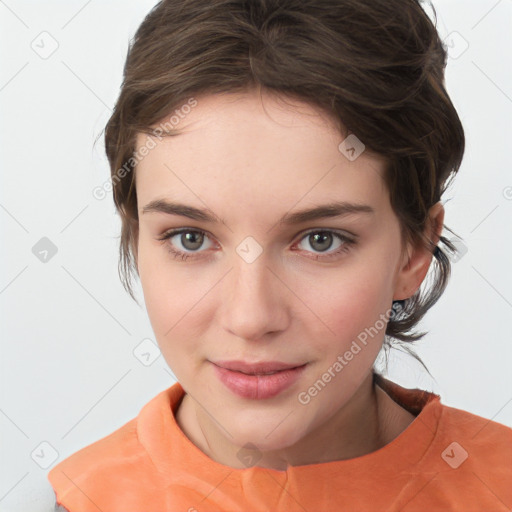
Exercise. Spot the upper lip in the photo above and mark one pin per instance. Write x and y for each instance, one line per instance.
(260, 367)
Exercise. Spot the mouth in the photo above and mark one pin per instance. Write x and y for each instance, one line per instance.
(260, 368)
(258, 380)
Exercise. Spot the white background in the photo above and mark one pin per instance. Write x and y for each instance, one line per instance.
(68, 373)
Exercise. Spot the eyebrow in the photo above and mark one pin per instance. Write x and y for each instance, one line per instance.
(333, 209)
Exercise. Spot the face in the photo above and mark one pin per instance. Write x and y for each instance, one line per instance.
(244, 286)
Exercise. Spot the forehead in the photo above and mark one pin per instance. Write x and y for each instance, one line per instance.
(251, 147)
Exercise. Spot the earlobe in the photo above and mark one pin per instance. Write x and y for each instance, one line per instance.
(419, 257)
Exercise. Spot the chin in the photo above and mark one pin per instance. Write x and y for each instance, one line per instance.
(266, 435)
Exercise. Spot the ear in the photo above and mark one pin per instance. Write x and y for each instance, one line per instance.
(417, 258)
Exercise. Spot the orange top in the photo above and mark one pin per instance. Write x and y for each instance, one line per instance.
(446, 459)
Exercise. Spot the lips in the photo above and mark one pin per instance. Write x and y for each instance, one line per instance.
(258, 381)
(261, 368)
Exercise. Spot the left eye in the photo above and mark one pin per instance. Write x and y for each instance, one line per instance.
(320, 241)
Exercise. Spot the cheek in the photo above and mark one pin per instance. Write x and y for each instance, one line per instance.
(346, 302)
(345, 352)
(170, 301)
(166, 286)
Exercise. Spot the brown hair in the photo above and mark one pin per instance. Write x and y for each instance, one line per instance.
(376, 66)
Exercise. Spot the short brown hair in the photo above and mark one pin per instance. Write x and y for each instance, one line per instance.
(376, 66)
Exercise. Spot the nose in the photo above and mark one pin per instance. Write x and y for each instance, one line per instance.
(255, 300)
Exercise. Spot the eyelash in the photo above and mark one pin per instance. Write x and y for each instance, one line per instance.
(347, 242)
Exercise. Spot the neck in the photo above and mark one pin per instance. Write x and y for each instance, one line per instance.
(368, 421)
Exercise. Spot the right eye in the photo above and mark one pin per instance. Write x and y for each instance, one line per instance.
(189, 239)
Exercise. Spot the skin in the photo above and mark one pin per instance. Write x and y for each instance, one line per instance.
(250, 158)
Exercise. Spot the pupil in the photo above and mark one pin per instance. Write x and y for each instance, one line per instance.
(324, 236)
(190, 237)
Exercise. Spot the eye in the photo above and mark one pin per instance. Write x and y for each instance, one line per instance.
(322, 240)
(190, 240)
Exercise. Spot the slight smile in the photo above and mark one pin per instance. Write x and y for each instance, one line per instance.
(259, 380)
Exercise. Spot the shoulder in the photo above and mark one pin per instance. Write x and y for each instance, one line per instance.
(121, 442)
(115, 465)
(471, 436)
(106, 455)
(477, 429)
(468, 463)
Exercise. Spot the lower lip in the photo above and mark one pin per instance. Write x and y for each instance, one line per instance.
(258, 387)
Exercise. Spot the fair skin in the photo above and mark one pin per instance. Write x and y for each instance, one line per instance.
(251, 163)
